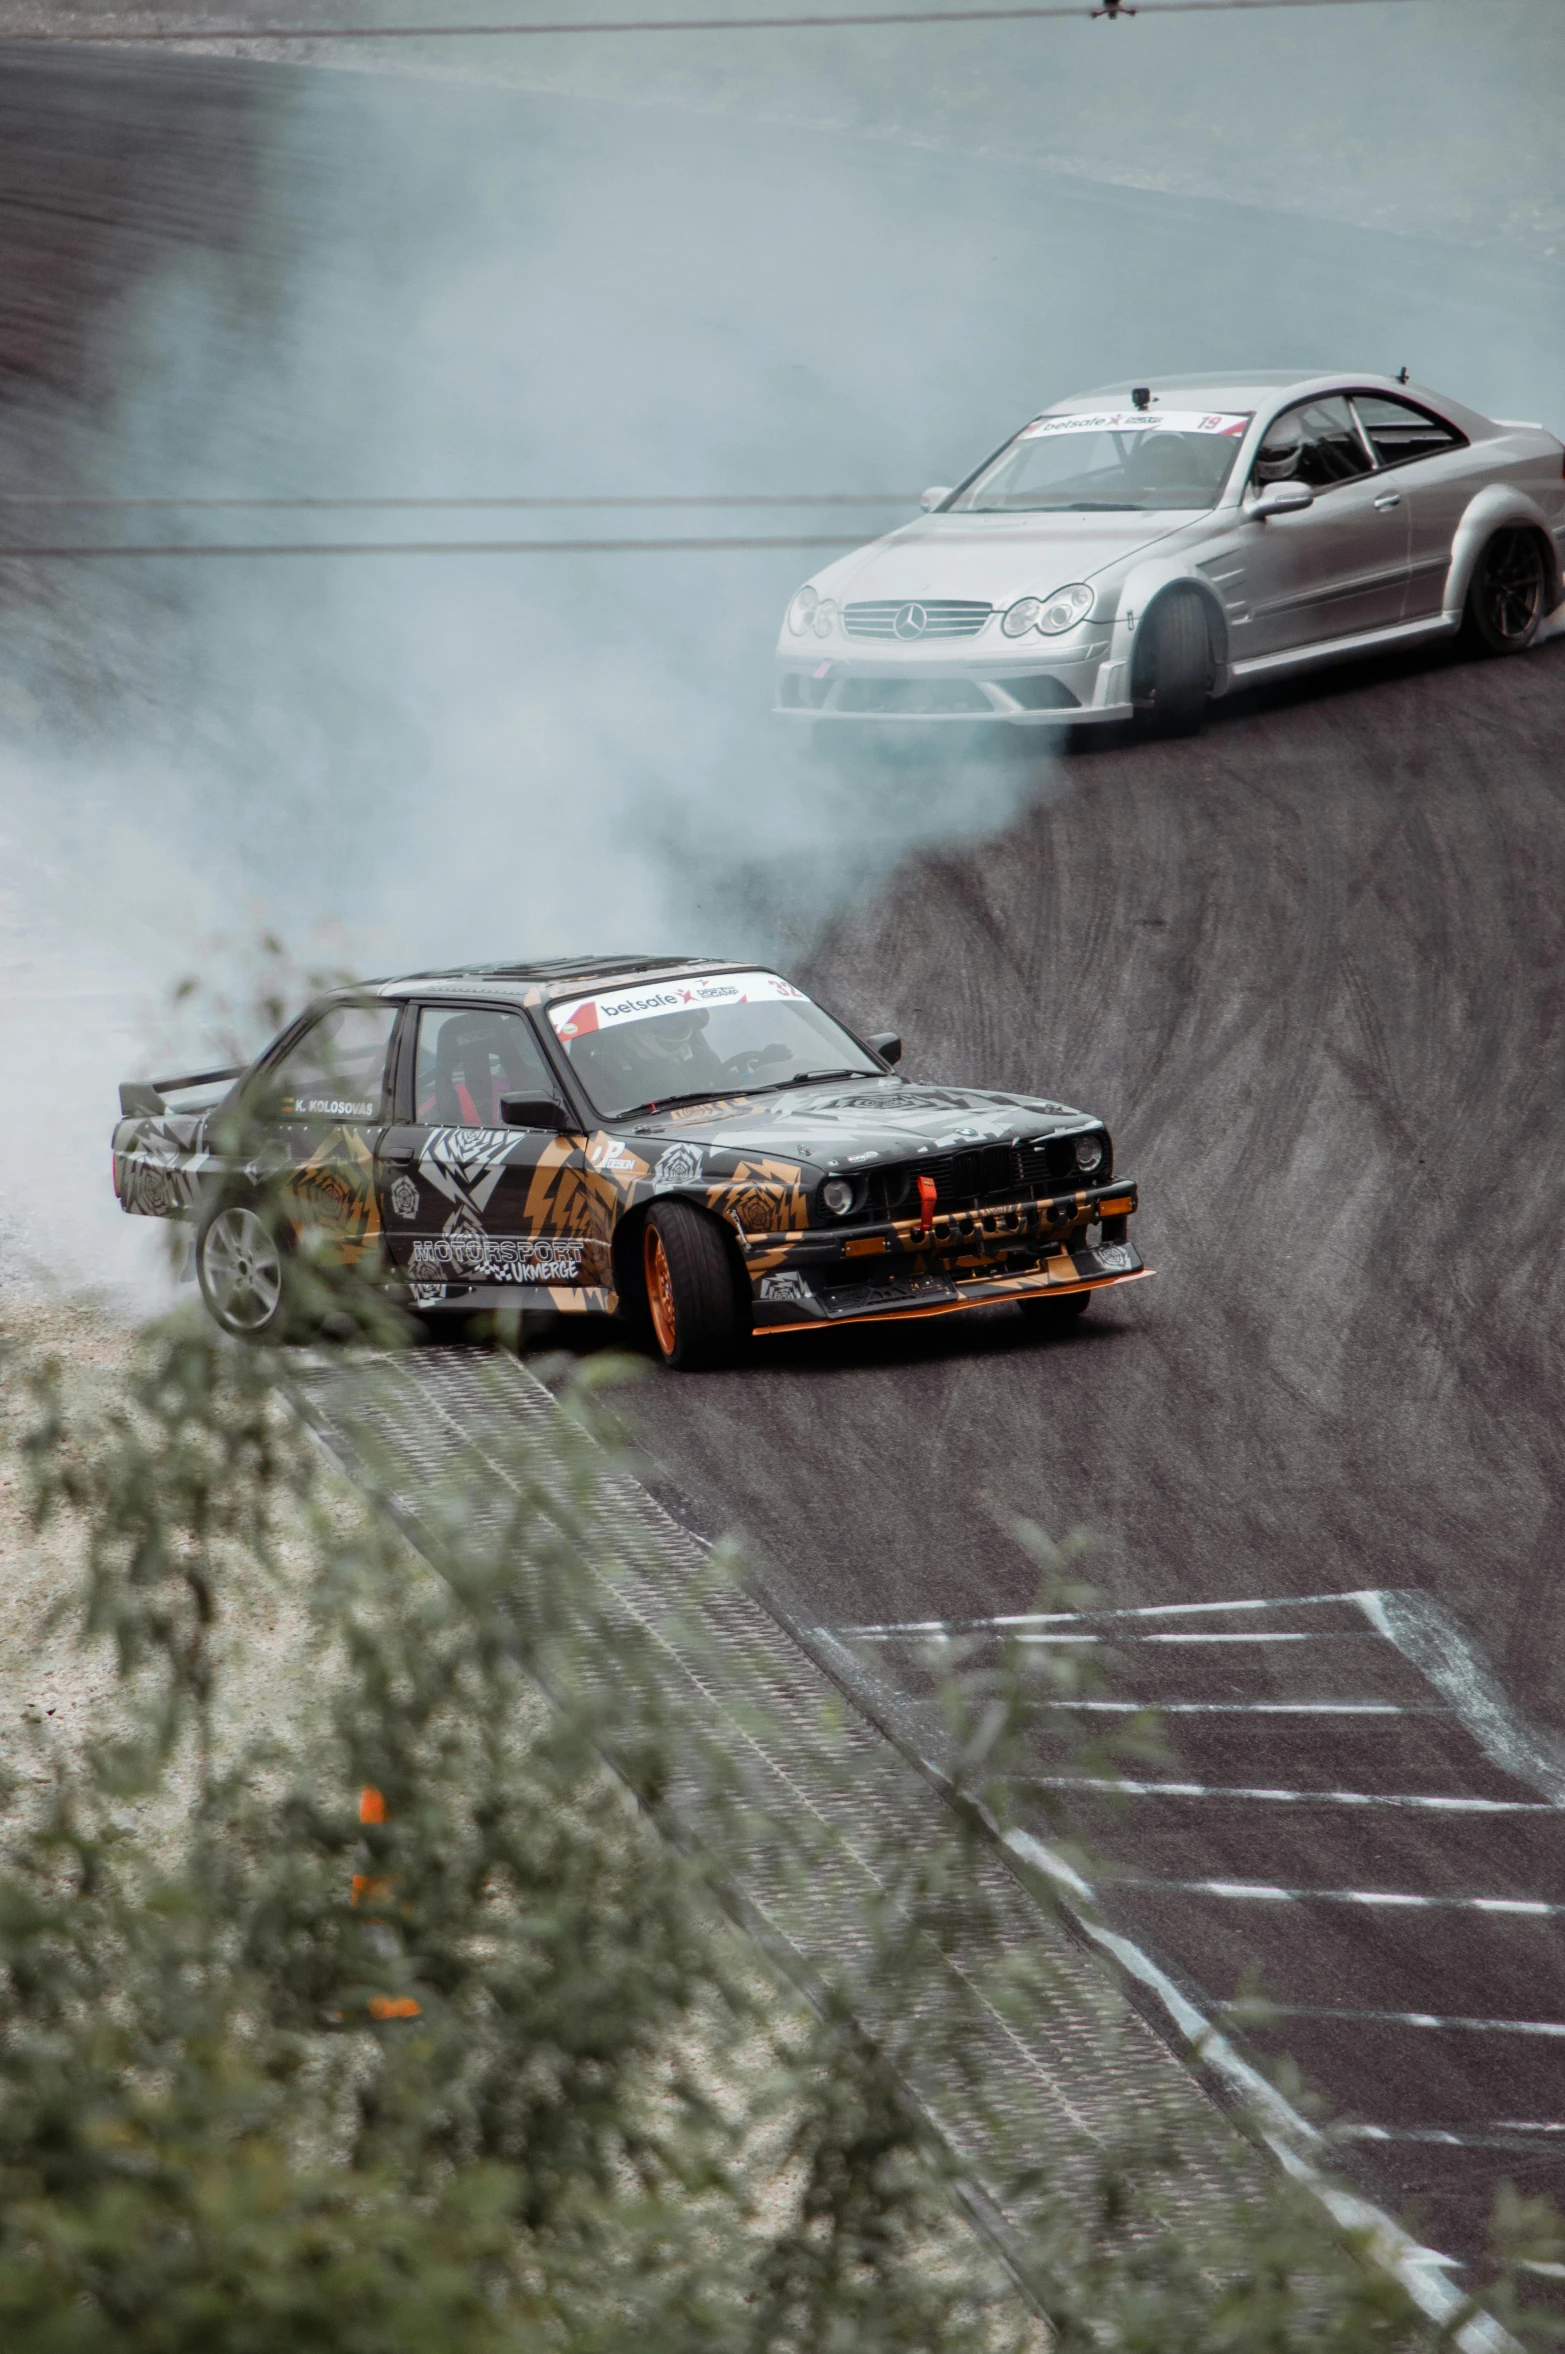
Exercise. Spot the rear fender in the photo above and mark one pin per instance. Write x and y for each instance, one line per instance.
(160, 1165)
(1497, 506)
(1144, 585)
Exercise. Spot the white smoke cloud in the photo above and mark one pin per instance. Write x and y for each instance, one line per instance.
(459, 290)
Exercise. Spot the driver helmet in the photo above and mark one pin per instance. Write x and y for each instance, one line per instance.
(1280, 452)
(675, 1035)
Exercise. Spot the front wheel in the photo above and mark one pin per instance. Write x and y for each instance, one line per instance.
(1509, 595)
(1174, 669)
(692, 1291)
(240, 1264)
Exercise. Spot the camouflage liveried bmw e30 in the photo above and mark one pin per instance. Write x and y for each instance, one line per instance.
(687, 1144)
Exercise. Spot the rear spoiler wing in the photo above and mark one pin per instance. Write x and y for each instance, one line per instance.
(143, 1098)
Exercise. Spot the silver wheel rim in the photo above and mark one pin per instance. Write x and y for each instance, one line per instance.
(243, 1271)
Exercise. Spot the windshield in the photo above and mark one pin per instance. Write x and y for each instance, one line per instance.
(1113, 461)
(719, 1034)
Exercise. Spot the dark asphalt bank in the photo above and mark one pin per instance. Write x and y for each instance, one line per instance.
(1307, 965)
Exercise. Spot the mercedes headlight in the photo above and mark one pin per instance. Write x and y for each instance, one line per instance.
(837, 1196)
(1022, 616)
(1089, 1152)
(1065, 608)
(824, 618)
(801, 613)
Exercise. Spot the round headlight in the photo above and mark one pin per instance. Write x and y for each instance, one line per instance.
(1022, 616)
(801, 612)
(824, 618)
(837, 1196)
(1064, 609)
(1089, 1153)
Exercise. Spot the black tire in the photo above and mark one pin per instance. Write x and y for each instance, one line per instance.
(1509, 595)
(1174, 670)
(242, 1264)
(1045, 1315)
(693, 1301)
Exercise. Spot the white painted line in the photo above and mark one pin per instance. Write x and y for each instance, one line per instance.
(1041, 1618)
(1444, 1655)
(1485, 2138)
(942, 1634)
(1261, 2011)
(1424, 2272)
(1261, 1892)
(1115, 1783)
(1249, 1707)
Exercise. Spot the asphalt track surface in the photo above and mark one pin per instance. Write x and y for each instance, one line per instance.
(1309, 967)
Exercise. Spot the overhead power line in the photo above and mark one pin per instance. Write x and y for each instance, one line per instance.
(417, 547)
(819, 498)
(123, 36)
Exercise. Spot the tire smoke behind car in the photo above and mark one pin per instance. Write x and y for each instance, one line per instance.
(441, 288)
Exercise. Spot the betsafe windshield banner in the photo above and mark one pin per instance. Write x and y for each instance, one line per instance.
(579, 1017)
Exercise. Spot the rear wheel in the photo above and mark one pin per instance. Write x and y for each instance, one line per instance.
(1175, 669)
(239, 1260)
(1046, 1315)
(1509, 594)
(692, 1290)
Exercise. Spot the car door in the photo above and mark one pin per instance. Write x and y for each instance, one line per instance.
(1436, 470)
(1334, 569)
(315, 1114)
(468, 1200)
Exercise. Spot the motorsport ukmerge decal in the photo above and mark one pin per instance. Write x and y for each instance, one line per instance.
(579, 1017)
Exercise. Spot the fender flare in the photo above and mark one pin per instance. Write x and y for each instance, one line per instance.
(625, 1242)
(1494, 508)
(1140, 591)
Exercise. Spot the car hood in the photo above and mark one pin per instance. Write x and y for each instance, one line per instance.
(993, 557)
(852, 1124)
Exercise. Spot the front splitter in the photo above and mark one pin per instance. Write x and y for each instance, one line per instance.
(988, 1295)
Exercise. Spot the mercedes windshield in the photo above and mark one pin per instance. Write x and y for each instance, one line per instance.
(1110, 461)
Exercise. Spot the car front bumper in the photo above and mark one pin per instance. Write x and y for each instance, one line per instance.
(1080, 678)
(1040, 1249)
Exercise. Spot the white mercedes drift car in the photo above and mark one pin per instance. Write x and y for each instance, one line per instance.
(1139, 550)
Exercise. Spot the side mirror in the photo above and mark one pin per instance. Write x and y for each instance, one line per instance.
(886, 1044)
(534, 1111)
(932, 498)
(1282, 498)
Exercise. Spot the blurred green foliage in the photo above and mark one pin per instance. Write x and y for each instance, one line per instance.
(608, 2120)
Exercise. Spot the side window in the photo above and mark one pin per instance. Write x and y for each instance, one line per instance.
(1397, 431)
(468, 1057)
(1318, 443)
(337, 1070)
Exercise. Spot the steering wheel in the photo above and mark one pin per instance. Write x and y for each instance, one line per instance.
(745, 1066)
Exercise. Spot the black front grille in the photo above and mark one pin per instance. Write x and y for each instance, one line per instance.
(984, 1174)
(1039, 692)
(920, 617)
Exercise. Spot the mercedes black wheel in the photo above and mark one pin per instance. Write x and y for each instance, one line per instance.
(240, 1262)
(1174, 666)
(1509, 595)
(692, 1289)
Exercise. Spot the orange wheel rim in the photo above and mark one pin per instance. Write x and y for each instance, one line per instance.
(660, 1292)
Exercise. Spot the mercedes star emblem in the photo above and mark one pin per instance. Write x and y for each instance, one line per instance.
(911, 622)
